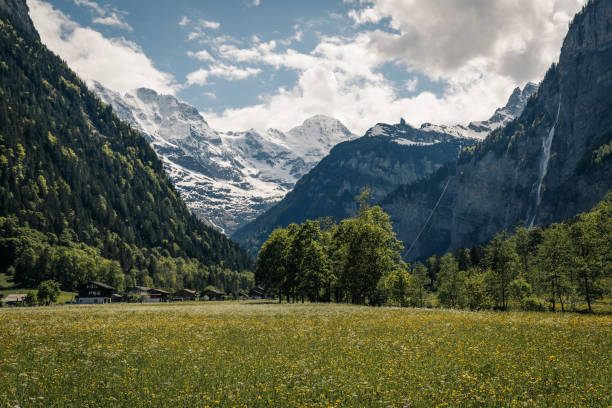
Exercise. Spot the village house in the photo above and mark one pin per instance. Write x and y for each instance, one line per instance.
(147, 295)
(15, 299)
(185, 294)
(213, 294)
(94, 293)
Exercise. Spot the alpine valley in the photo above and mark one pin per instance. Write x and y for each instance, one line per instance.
(387, 157)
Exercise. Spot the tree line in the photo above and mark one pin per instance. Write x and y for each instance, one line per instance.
(359, 261)
(323, 261)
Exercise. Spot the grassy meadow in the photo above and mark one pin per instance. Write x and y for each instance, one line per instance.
(261, 355)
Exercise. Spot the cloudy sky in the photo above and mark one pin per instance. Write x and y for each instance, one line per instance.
(273, 63)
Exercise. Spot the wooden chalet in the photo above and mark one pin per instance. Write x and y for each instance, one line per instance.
(15, 299)
(160, 294)
(93, 292)
(213, 294)
(148, 295)
(184, 295)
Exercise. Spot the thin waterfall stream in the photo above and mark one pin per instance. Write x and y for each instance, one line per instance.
(536, 190)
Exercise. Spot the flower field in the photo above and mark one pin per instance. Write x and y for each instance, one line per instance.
(261, 355)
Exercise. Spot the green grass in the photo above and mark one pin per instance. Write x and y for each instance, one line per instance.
(262, 355)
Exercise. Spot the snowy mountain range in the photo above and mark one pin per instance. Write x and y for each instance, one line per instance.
(404, 133)
(227, 179)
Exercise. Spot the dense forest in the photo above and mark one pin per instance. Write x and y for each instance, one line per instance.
(83, 196)
(558, 268)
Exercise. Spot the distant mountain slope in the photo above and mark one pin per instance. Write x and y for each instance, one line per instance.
(385, 158)
(552, 163)
(227, 179)
(72, 175)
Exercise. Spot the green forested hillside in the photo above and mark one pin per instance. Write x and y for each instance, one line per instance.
(83, 196)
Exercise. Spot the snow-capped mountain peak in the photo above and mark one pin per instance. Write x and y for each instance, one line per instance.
(227, 179)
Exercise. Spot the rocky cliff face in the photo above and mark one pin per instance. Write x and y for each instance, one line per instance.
(19, 12)
(550, 164)
(227, 179)
(385, 158)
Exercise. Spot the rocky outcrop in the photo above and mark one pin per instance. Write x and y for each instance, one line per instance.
(548, 165)
(20, 14)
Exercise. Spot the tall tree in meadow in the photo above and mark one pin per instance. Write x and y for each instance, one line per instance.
(48, 292)
(591, 239)
(271, 262)
(421, 282)
(294, 253)
(368, 249)
(553, 262)
(502, 260)
(450, 282)
(477, 296)
(521, 243)
(433, 268)
(397, 284)
(464, 260)
(313, 265)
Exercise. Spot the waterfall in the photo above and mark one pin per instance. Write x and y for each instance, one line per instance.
(536, 190)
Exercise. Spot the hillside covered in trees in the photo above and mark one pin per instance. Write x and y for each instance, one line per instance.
(561, 267)
(83, 196)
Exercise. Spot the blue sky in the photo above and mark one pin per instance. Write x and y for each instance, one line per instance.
(274, 63)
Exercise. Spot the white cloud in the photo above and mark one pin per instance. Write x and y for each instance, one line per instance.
(116, 63)
(91, 4)
(411, 84)
(369, 15)
(184, 21)
(199, 31)
(202, 55)
(479, 49)
(112, 20)
(209, 24)
(106, 16)
(229, 72)
(514, 38)
(256, 3)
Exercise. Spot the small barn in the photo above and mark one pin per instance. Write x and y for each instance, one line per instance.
(184, 295)
(257, 293)
(93, 292)
(15, 299)
(213, 294)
